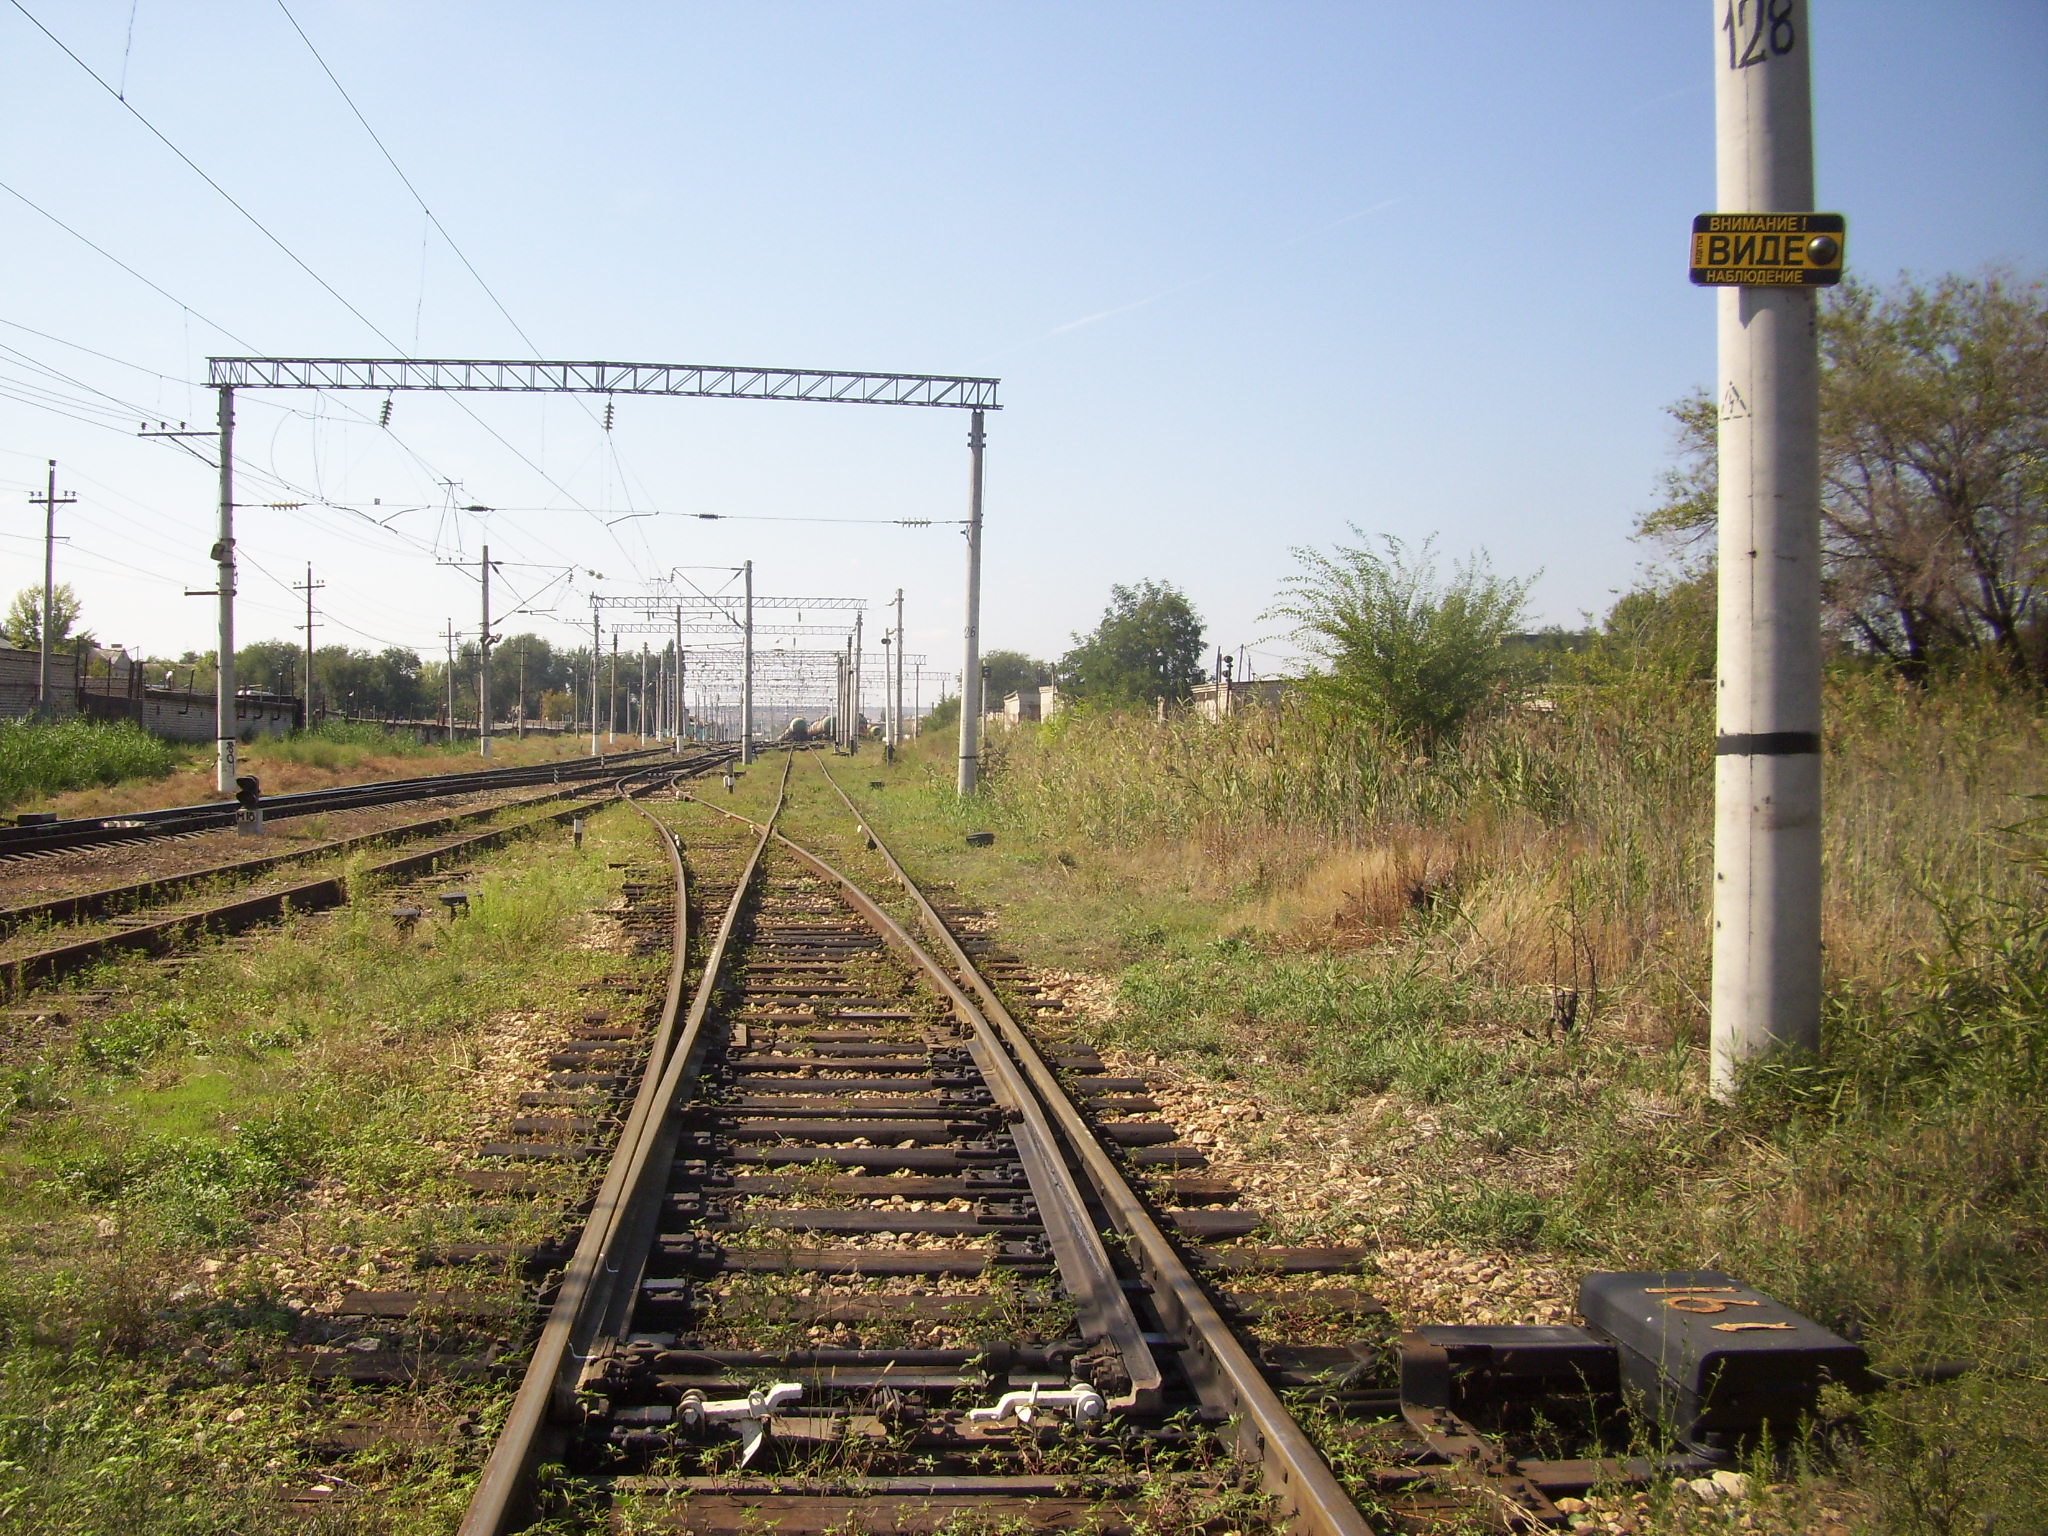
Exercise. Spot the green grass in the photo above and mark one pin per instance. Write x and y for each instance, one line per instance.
(38, 759)
(1369, 939)
(274, 1106)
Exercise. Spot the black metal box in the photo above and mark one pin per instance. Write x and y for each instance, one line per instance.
(1712, 1359)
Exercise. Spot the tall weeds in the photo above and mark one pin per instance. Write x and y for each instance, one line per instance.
(1567, 845)
(38, 759)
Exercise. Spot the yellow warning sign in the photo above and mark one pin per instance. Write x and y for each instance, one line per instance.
(1767, 250)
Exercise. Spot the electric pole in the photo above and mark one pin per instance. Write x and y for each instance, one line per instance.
(896, 703)
(747, 673)
(888, 703)
(596, 652)
(643, 693)
(854, 712)
(309, 587)
(970, 670)
(1767, 768)
(483, 652)
(50, 501)
(224, 588)
(451, 681)
(483, 664)
(519, 720)
(611, 698)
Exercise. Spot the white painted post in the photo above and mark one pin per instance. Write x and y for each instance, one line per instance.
(1767, 778)
(224, 562)
(747, 675)
(970, 671)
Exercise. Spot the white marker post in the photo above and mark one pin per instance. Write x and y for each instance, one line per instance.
(970, 671)
(1767, 791)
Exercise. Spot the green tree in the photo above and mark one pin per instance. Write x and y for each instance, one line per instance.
(1148, 646)
(270, 664)
(1411, 652)
(24, 626)
(1662, 629)
(1007, 672)
(1934, 470)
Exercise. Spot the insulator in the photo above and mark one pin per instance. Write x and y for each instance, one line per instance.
(608, 415)
(384, 414)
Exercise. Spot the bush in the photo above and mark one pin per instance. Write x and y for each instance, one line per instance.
(38, 759)
(1410, 652)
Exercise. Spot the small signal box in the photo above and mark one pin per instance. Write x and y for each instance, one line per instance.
(1767, 250)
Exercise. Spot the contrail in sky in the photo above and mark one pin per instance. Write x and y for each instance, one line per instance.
(1196, 282)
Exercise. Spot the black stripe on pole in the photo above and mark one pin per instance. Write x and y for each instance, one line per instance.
(1767, 744)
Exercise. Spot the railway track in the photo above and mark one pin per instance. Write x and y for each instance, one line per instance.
(864, 1256)
(44, 940)
(849, 1266)
(32, 837)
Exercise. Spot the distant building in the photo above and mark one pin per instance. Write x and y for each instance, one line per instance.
(109, 684)
(1030, 704)
(84, 680)
(1215, 700)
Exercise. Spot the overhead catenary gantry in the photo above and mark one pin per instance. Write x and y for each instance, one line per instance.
(728, 613)
(680, 380)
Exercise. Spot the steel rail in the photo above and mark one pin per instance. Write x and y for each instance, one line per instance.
(81, 906)
(24, 972)
(1295, 1473)
(172, 821)
(591, 1281)
(1084, 1265)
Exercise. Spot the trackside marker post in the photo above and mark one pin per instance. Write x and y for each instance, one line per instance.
(970, 672)
(1767, 789)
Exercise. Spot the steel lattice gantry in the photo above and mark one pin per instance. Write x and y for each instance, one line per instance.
(702, 381)
(725, 614)
(525, 376)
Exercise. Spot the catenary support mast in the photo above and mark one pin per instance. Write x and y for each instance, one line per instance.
(970, 672)
(224, 560)
(1767, 789)
(747, 674)
(50, 501)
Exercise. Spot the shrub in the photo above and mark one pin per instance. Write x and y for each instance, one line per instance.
(1403, 648)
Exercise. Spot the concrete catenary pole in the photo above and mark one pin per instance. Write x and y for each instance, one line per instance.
(853, 684)
(483, 664)
(46, 703)
(306, 704)
(596, 660)
(888, 698)
(1767, 791)
(970, 671)
(747, 673)
(611, 698)
(681, 718)
(449, 676)
(896, 704)
(224, 561)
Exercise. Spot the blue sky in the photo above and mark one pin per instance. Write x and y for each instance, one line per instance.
(1249, 273)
